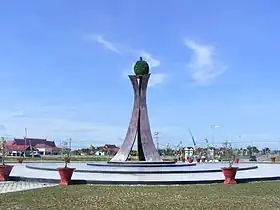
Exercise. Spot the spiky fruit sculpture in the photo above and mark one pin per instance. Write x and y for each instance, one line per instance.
(141, 67)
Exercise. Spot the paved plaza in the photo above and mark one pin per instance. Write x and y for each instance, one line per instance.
(13, 186)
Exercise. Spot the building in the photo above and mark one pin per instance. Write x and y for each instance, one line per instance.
(107, 149)
(17, 147)
(189, 152)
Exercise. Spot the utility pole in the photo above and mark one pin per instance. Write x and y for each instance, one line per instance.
(213, 127)
(156, 137)
(3, 149)
(25, 136)
(70, 140)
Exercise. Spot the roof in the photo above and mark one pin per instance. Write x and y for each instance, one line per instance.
(16, 147)
(186, 148)
(32, 141)
(114, 149)
(24, 148)
(110, 146)
(42, 146)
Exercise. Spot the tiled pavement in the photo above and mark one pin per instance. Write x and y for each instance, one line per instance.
(12, 186)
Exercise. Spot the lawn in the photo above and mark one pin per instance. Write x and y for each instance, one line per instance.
(217, 196)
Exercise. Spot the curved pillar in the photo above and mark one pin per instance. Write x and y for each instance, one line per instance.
(139, 126)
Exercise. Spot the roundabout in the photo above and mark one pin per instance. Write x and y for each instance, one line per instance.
(204, 173)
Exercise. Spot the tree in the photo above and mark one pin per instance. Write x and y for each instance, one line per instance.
(255, 150)
(249, 150)
(228, 152)
(252, 150)
(265, 150)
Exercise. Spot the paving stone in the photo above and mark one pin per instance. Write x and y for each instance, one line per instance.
(13, 186)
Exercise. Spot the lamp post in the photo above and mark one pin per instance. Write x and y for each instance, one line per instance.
(156, 134)
(212, 131)
(70, 141)
(3, 149)
(25, 136)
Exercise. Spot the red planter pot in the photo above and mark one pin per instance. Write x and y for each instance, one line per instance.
(203, 160)
(198, 160)
(190, 160)
(229, 174)
(65, 175)
(5, 171)
(273, 159)
(236, 160)
(183, 159)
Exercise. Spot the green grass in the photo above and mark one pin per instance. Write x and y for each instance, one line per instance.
(217, 196)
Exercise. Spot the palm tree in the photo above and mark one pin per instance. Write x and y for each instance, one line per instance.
(255, 150)
(266, 150)
(252, 150)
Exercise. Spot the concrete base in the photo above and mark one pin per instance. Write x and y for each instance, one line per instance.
(199, 174)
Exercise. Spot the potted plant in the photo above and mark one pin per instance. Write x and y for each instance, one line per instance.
(20, 159)
(230, 171)
(198, 155)
(183, 158)
(65, 173)
(5, 170)
(203, 157)
(236, 156)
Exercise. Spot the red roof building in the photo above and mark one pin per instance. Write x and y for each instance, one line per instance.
(43, 146)
(109, 149)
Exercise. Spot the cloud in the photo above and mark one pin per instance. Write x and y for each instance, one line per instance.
(54, 128)
(104, 42)
(153, 62)
(204, 65)
(157, 79)
(17, 114)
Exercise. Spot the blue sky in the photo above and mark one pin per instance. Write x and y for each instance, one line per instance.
(64, 65)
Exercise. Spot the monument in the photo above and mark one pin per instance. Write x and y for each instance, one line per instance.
(139, 126)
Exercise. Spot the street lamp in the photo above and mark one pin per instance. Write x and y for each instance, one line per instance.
(70, 141)
(212, 130)
(156, 137)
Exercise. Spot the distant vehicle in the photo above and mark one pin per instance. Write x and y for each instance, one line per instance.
(33, 154)
(252, 158)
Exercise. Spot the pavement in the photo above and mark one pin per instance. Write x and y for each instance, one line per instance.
(13, 186)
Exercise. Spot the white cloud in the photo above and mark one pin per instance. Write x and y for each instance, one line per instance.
(104, 42)
(204, 65)
(153, 62)
(83, 133)
(17, 114)
(156, 79)
(2, 128)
